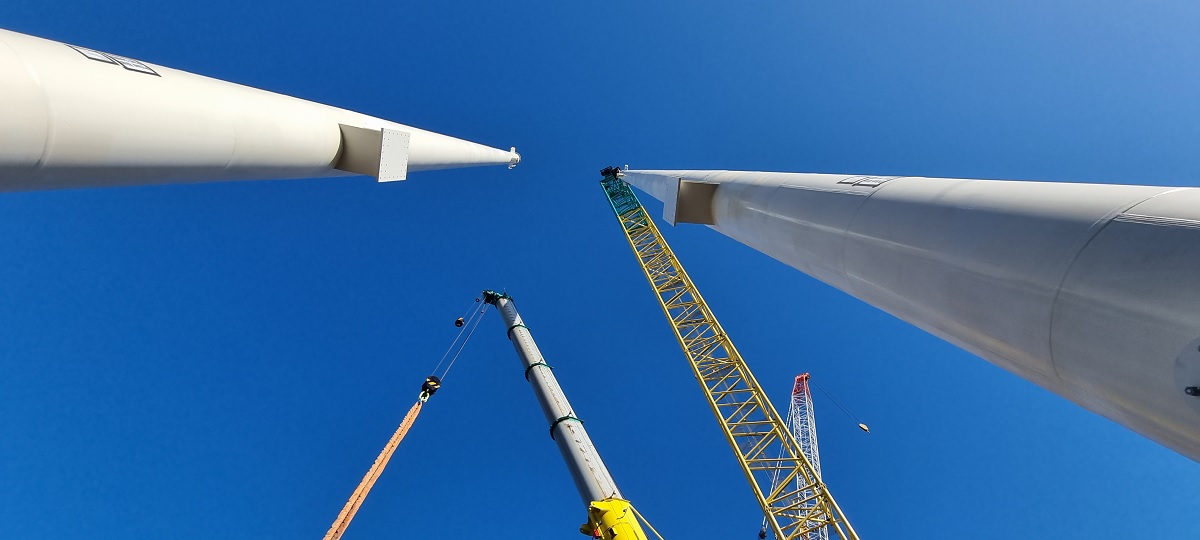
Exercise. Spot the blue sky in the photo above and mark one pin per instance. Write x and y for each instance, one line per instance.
(225, 360)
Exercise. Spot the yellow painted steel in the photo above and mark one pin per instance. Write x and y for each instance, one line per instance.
(764, 447)
(613, 519)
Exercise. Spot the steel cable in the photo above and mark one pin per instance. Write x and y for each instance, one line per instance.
(477, 318)
(471, 311)
(364, 487)
(835, 401)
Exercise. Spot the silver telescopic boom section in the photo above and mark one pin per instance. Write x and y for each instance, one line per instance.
(591, 476)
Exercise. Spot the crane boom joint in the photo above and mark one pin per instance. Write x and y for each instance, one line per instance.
(536, 364)
(562, 419)
(514, 327)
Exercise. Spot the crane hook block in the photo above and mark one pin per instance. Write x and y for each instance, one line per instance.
(459, 322)
(430, 387)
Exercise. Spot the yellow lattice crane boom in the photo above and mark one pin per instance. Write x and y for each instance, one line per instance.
(799, 505)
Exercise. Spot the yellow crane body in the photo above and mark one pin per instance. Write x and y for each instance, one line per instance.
(613, 519)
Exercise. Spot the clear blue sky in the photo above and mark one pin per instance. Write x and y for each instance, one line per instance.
(225, 360)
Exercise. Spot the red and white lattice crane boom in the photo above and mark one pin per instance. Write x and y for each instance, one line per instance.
(803, 424)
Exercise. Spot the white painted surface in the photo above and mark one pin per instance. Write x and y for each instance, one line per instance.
(393, 155)
(1091, 291)
(69, 119)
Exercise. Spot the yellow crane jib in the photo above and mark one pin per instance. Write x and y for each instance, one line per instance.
(799, 506)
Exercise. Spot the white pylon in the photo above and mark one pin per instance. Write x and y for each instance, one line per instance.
(1087, 290)
(71, 116)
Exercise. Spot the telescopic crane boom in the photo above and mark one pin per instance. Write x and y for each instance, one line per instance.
(610, 516)
(800, 504)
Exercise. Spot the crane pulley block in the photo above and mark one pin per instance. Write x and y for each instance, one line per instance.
(430, 387)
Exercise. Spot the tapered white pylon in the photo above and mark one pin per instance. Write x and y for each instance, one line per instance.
(71, 116)
(1091, 291)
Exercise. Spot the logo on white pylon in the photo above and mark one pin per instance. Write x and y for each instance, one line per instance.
(127, 63)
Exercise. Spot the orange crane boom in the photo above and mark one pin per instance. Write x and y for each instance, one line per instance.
(360, 493)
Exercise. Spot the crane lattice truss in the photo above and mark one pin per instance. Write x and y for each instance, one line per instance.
(800, 503)
(804, 428)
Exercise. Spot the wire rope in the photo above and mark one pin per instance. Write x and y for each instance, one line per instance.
(646, 521)
(470, 311)
(364, 487)
(477, 318)
(835, 401)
